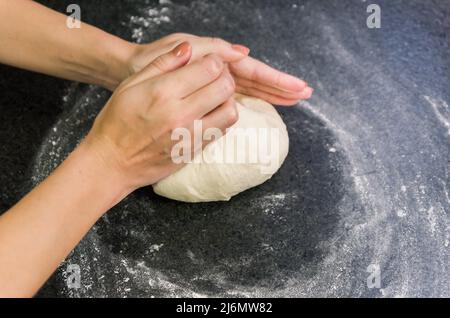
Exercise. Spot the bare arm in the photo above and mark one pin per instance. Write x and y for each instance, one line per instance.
(36, 38)
(41, 230)
(116, 158)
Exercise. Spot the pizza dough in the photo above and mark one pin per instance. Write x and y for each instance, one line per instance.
(252, 151)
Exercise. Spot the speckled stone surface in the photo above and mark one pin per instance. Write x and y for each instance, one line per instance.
(365, 184)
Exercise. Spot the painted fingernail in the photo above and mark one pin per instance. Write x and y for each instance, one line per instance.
(241, 49)
(181, 49)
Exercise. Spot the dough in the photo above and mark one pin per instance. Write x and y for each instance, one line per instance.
(228, 166)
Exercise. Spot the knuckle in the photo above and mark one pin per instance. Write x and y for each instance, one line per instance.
(158, 94)
(218, 44)
(215, 40)
(213, 65)
(227, 88)
(228, 85)
(160, 64)
(232, 114)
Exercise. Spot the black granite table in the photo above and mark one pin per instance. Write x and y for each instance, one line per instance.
(364, 191)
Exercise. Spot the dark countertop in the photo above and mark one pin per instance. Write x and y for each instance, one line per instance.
(365, 186)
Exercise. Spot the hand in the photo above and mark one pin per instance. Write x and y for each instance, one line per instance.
(252, 77)
(132, 134)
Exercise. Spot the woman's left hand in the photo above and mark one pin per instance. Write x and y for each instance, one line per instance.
(252, 77)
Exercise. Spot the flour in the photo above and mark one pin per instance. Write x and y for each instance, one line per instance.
(368, 183)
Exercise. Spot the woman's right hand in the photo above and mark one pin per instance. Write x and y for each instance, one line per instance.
(132, 134)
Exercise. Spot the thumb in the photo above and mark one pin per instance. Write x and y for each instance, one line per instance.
(176, 58)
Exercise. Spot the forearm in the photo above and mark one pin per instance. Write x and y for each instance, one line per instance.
(36, 38)
(42, 229)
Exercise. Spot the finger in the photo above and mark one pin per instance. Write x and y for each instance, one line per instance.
(209, 97)
(217, 122)
(214, 125)
(187, 80)
(176, 38)
(223, 117)
(227, 51)
(203, 46)
(270, 98)
(257, 71)
(176, 58)
(240, 81)
(201, 133)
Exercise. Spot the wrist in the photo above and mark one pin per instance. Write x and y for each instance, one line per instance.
(113, 64)
(97, 175)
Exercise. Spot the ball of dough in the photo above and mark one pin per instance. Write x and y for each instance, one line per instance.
(229, 166)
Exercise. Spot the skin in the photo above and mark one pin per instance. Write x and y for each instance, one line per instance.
(115, 158)
(129, 144)
(253, 77)
(37, 38)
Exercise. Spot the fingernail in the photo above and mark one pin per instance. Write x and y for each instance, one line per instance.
(181, 49)
(241, 49)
